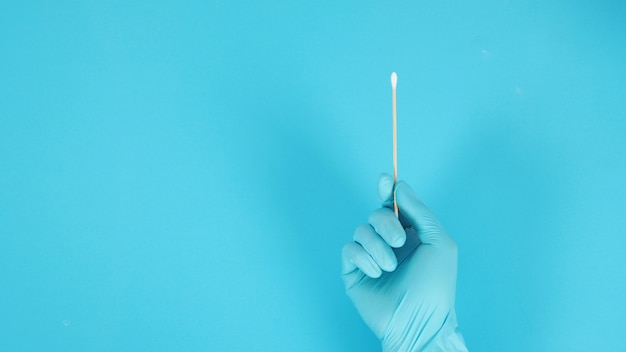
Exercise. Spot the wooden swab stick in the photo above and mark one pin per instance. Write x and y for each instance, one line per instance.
(394, 83)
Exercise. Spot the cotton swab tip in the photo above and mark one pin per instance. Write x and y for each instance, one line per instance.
(394, 80)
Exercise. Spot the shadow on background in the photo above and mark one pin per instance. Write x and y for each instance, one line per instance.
(497, 202)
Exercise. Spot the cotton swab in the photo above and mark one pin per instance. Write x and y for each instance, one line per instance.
(394, 83)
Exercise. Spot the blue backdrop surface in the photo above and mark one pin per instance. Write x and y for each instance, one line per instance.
(183, 175)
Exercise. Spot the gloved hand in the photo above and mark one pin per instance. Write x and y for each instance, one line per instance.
(401, 274)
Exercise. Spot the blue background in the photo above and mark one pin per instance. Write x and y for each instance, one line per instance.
(182, 175)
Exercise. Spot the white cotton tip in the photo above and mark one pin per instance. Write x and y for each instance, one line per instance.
(394, 80)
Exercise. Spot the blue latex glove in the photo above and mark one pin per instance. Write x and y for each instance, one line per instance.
(403, 282)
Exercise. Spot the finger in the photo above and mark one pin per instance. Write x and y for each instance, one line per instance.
(387, 225)
(385, 189)
(376, 247)
(355, 257)
(418, 215)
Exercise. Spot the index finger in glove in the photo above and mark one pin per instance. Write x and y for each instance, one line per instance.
(387, 225)
(385, 190)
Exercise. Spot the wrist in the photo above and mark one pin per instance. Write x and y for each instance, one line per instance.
(446, 338)
(449, 341)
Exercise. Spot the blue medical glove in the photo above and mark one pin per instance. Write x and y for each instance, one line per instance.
(401, 275)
